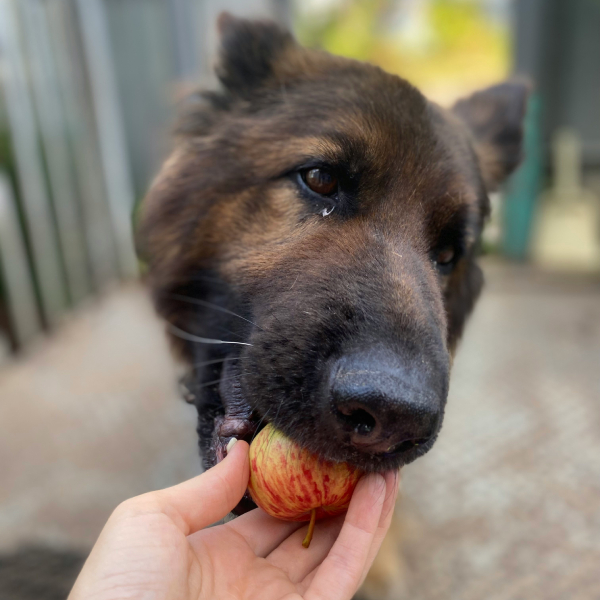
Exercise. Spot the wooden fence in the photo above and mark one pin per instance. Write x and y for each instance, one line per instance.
(72, 87)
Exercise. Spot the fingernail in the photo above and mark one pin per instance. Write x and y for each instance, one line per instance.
(231, 444)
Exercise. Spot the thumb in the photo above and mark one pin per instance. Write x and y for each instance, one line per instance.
(205, 499)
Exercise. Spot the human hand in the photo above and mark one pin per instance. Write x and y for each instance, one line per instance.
(155, 546)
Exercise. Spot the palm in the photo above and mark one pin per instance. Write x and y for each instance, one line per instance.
(237, 570)
(258, 556)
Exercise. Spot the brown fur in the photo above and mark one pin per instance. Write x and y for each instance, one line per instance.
(223, 207)
(229, 224)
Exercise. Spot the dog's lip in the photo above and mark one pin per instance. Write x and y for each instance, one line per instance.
(240, 421)
(226, 428)
(406, 446)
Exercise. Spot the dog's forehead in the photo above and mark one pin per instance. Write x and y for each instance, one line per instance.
(376, 125)
(413, 161)
(358, 105)
(351, 111)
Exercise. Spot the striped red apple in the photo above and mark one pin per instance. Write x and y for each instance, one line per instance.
(293, 484)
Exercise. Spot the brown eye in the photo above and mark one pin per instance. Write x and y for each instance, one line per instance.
(445, 256)
(321, 181)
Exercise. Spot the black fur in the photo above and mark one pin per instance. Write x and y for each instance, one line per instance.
(228, 227)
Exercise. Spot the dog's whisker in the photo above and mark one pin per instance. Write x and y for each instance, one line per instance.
(224, 330)
(216, 381)
(259, 424)
(200, 302)
(214, 361)
(279, 408)
(190, 337)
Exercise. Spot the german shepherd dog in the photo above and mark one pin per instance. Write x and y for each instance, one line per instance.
(312, 245)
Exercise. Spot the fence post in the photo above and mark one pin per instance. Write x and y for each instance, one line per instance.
(20, 293)
(113, 148)
(36, 204)
(53, 133)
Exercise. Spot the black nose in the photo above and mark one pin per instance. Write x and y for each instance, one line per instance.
(384, 403)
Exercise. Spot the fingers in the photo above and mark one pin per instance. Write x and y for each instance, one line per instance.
(392, 480)
(295, 560)
(342, 571)
(203, 500)
(298, 562)
(262, 532)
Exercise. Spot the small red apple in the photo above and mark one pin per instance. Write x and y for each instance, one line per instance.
(293, 484)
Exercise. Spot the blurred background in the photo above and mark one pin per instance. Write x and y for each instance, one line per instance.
(507, 504)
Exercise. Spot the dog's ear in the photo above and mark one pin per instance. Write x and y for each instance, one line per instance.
(495, 119)
(249, 51)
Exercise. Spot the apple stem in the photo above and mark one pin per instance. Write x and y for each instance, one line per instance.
(311, 528)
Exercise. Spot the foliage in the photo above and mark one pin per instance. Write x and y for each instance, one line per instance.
(444, 47)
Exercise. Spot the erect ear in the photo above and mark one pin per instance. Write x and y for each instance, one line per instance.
(249, 51)
(495, 118)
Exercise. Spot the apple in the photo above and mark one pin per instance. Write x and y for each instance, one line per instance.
(293, 484)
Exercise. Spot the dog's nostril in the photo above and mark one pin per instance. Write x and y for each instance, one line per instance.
(358, 419)
(381, 405)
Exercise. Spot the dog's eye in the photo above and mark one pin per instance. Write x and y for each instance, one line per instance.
(320, 181)
(445, 256)
(444, 259)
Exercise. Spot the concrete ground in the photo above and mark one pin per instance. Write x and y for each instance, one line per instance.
(505, 507)
(89, 417)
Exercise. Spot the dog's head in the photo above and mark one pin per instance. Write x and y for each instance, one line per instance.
(311, 243)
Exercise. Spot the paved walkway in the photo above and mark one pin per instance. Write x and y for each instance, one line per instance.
(90, 417)
(505, 507)
(507, 504)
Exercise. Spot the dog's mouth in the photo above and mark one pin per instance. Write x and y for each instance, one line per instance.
(238, 421)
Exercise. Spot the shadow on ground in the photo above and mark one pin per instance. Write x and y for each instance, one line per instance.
(37, 573)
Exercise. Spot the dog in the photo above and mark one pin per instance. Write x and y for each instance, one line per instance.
(312, 244)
